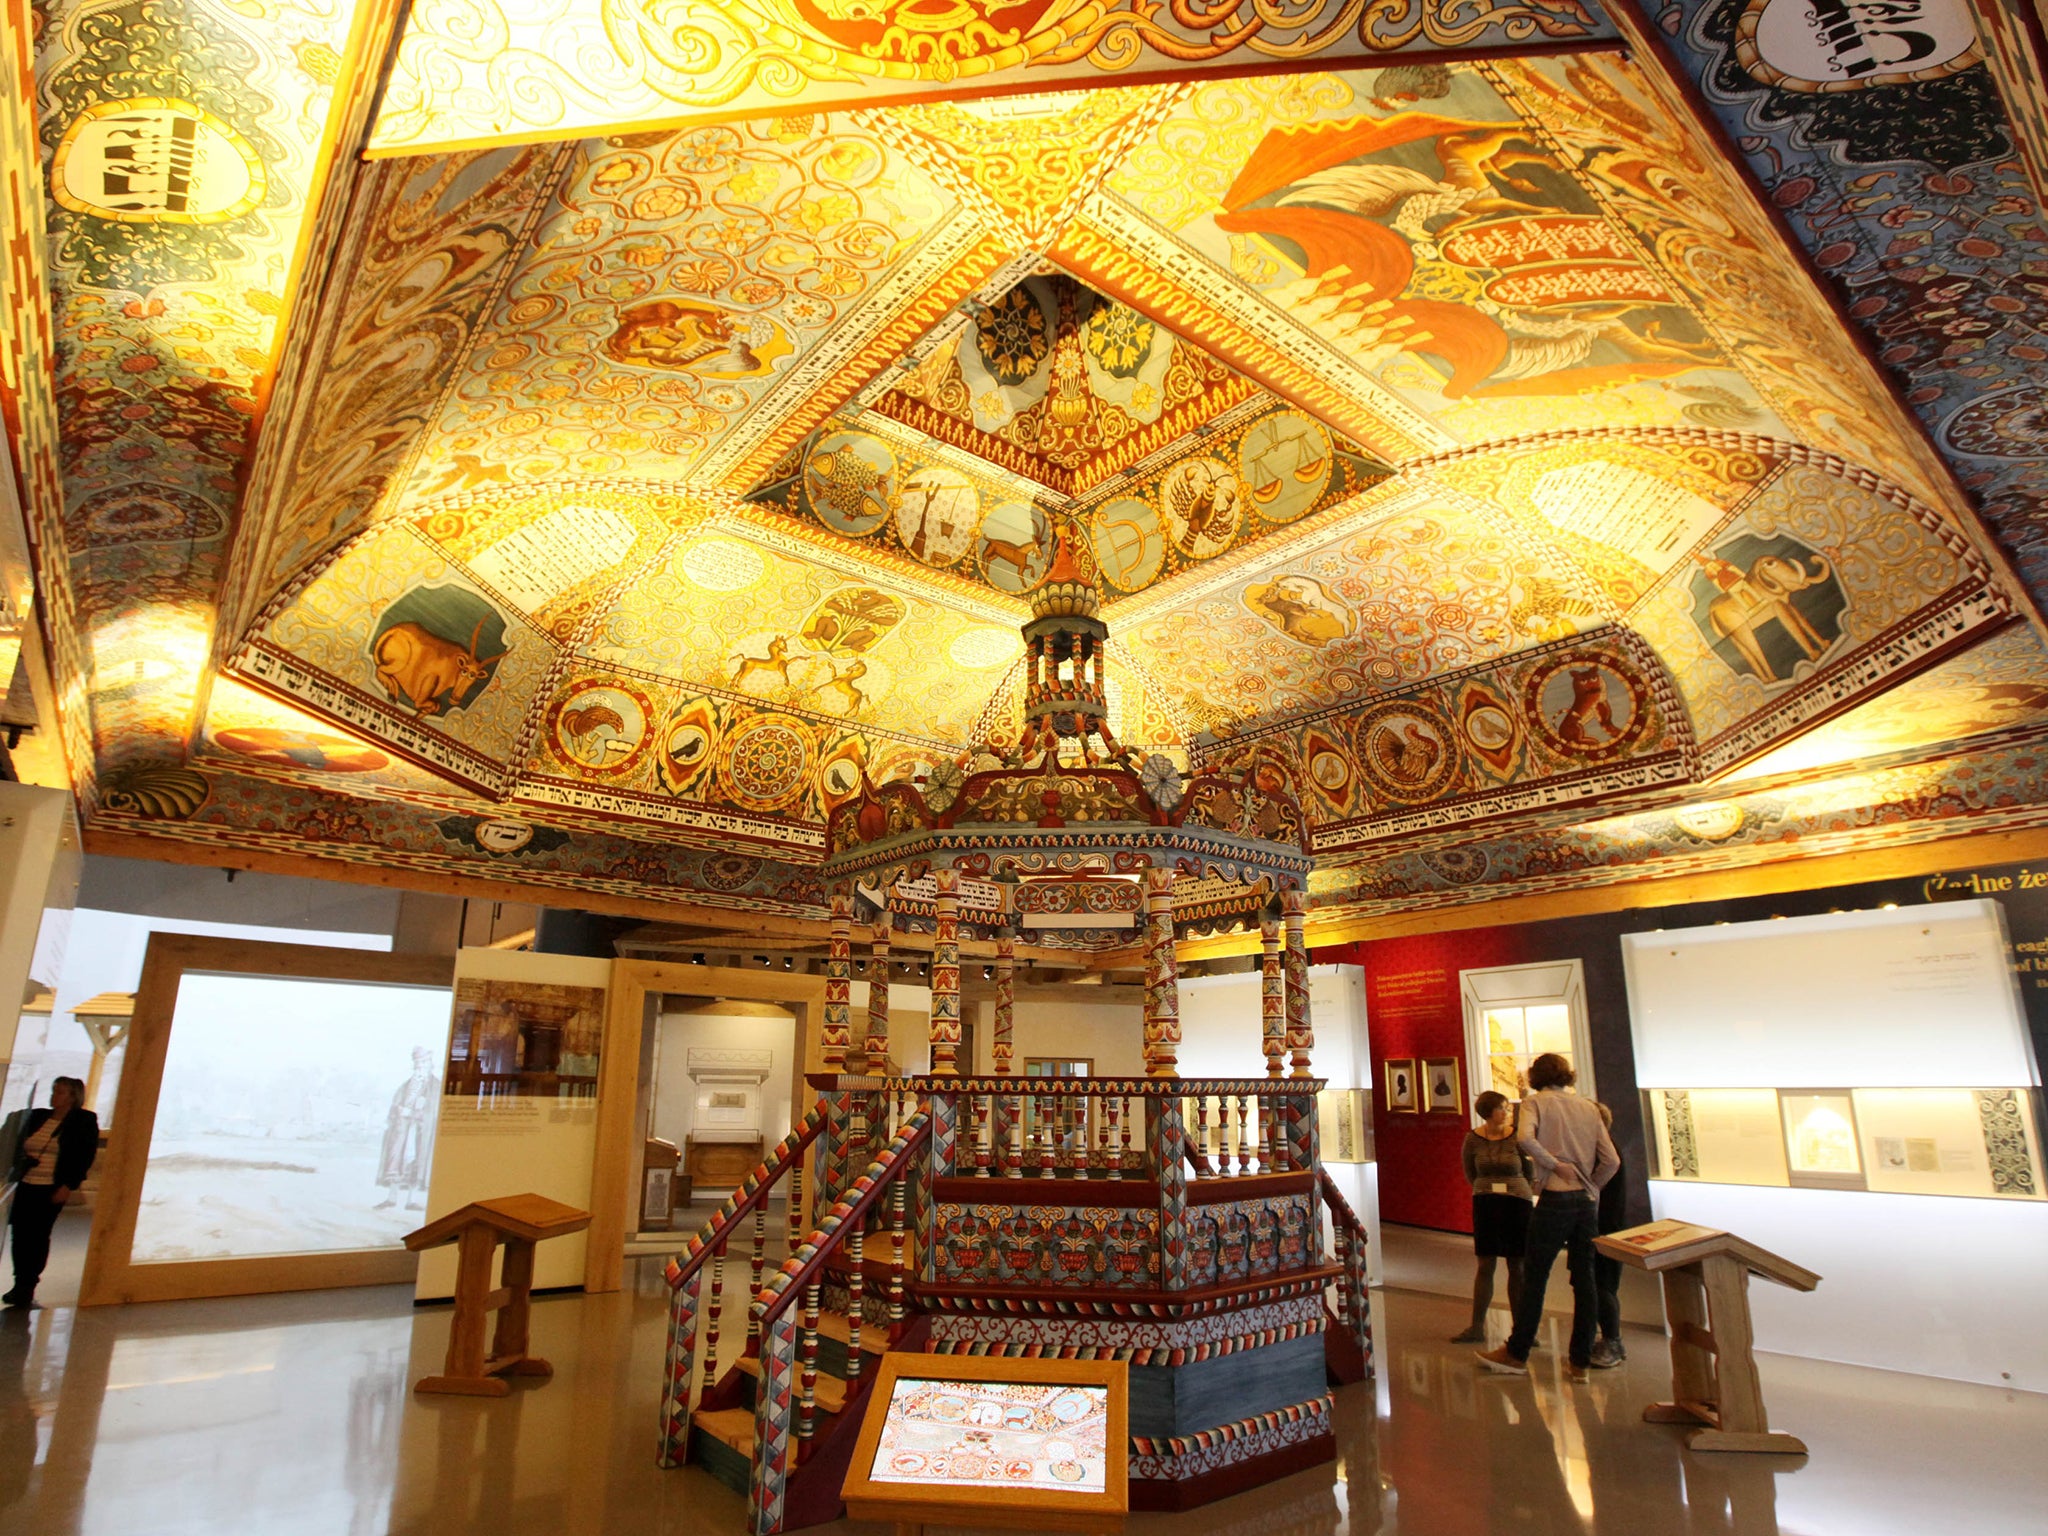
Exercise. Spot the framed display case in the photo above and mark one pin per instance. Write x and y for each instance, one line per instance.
(1347, 1127)
(982, 1440)
(1980, 1142)
(1441, 1093)
(277, 1121)
(1821, 1150)
(1404, 1093)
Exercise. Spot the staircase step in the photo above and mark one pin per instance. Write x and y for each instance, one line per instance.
(723, 1445)
(729, 1426)
(831, 1390)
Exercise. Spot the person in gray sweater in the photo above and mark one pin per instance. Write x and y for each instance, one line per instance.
(1564, 1136)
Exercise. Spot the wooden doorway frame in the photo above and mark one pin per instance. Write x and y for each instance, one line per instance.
(614, 1177)
(110, 1275)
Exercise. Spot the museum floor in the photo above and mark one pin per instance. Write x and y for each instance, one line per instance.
(293, 1414)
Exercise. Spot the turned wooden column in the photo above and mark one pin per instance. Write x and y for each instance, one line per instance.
(1000, 1049)
(836, 1034)
(1301, 1029)
(946, 977)
(1272, 997)
(1162, 985)
(878, 995)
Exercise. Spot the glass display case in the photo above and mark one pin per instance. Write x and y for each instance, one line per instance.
(1982, 1142)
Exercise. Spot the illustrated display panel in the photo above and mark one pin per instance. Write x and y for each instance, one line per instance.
(995, 1434)
(1981, 1142)
(296, 1116)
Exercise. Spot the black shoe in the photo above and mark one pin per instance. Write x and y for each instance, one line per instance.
(18, 1298)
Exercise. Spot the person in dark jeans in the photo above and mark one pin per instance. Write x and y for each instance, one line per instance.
(57, 1150)
(1610, 1351)
(1566, 1139)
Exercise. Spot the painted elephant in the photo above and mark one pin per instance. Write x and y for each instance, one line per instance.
(1759, 597)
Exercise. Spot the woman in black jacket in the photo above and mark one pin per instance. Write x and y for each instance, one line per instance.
(57, 1149)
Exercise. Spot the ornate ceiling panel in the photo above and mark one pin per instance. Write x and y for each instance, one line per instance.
(1998, 789)
(1420, 589)
(677, 286)
(2001, 685)
(1458, 436)
(470, 71)
(1919, 196)
(768, 626)
(885, 406)
(1816, 592)
(181, 139)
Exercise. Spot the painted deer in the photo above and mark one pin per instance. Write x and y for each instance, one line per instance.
(1017, 554)
(419, 668)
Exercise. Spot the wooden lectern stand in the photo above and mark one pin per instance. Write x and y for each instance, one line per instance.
(1706, 1305)
(517, 1221)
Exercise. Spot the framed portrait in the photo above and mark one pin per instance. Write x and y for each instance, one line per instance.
(1441, 1093)
(1404, 1093)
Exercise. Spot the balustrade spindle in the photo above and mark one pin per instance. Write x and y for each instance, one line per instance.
(793, 1203)
(981, 1136)
(754, 1275)
(711, 1315)
(1131, 1109)
(1046, 1132)
(856, 1300)
(1244, 1133)
(1206, 1167)
(807, 1380)
(1111, 1114)
(896, 1193)
(1098, 1113)
(1343, 1273)
(1013, 1137)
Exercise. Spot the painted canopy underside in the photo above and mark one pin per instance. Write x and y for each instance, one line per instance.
(594, 482)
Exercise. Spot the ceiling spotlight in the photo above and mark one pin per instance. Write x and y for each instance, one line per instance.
(988, 973)
(789, 962)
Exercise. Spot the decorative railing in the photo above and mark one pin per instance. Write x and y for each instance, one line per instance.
(1097, 1128)
(783, 1335)
(1353, 1301)
(998, 1187)
(789, 1336)
(709, 1246)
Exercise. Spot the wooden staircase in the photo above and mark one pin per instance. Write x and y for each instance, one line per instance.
(722, 1427)
(780, 1423)
(725, 1432)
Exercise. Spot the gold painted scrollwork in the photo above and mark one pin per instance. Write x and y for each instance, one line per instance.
(469, 70)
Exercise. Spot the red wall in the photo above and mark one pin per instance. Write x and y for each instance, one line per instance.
(1413, 1009)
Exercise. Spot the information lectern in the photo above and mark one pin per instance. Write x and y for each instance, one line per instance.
(1706, 1307)
(517, 1221)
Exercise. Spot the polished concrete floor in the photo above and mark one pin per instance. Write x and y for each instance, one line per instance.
(294, 1414)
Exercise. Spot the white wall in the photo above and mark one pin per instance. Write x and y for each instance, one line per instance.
(33, 823)
(1931, 1284)
(1222, 1036)
(676, 1092)
(1112, 1035)
(103, 952)
(517, 1146)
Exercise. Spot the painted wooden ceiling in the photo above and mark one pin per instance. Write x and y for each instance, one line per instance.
(626, 450)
